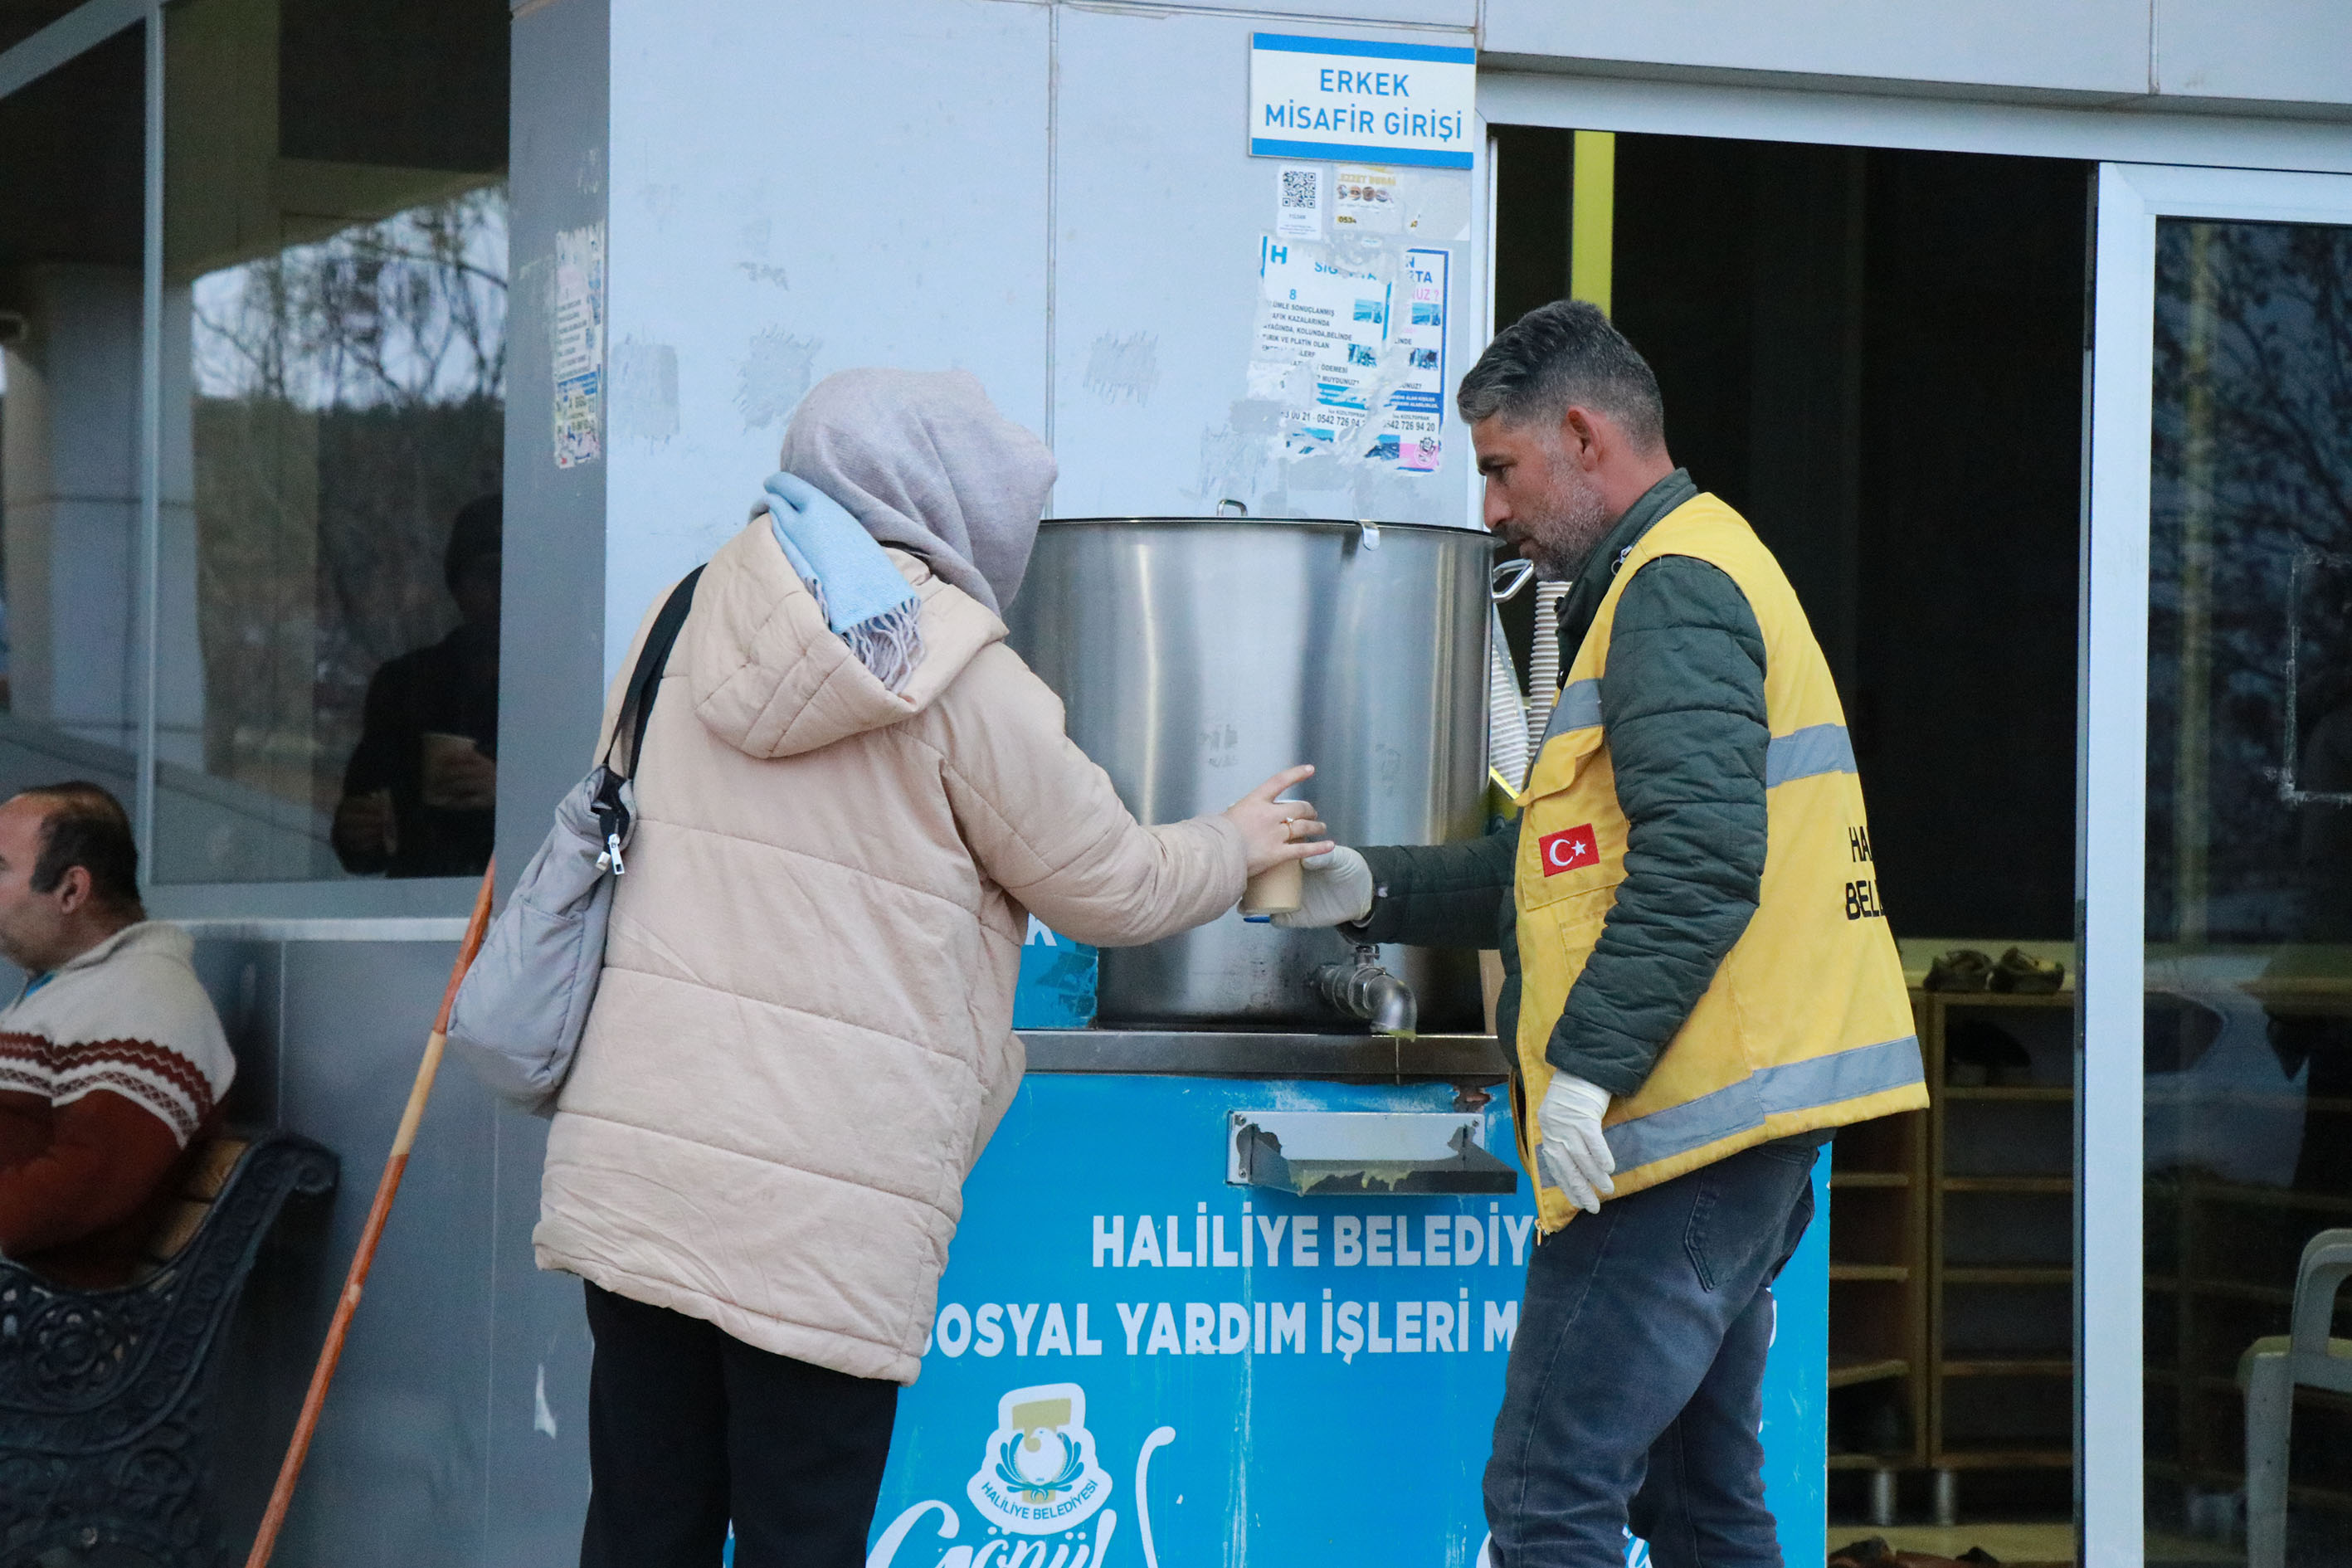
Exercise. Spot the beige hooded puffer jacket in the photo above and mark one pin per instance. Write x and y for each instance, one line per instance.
(803, 1038)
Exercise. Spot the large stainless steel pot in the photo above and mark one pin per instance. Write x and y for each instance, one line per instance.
(1198, 656)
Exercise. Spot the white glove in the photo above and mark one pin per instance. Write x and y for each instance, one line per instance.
(1574, 1156)
(1336, 890)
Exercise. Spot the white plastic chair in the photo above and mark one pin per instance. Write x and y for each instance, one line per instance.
(2270, 1371)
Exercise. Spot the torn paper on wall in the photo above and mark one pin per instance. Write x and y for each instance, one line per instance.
(1356, 360)
(1322, 333)
(577, 344)
(1410, 433)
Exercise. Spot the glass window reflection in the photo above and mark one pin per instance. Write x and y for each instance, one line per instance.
(335, 350)
(2249, 1041)
(71, 317)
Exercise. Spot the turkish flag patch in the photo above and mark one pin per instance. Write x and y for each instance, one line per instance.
(1572, 851)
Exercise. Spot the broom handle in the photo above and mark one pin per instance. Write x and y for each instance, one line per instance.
(394, 1167)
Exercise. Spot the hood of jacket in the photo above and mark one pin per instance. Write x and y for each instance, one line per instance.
(924, 460)
(768, 675)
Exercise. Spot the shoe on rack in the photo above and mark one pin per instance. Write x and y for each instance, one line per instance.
(2022, 974)
(1962, 969)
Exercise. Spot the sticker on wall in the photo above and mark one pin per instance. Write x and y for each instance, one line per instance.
(1367, 200)
(577, 344)
(1298, 201)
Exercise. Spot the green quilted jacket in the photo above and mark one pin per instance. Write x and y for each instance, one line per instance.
(1681, 705)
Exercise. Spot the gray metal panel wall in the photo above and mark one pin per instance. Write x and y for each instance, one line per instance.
(538, 1389)
(531, 1387)
(456, 1430)
(328, 1036)
(403, 1441)
(551, 648)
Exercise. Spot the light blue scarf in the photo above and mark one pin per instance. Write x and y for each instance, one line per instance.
(864, 597)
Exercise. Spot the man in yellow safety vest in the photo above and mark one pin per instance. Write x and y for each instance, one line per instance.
(1700, 983)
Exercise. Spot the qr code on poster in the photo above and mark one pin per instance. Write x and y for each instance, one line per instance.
(1298, 188)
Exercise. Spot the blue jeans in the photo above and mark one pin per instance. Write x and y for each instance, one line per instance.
(1635, 1385)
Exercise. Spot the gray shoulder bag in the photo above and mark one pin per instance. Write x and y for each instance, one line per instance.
(519, 1013)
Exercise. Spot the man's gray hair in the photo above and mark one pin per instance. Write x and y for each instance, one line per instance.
(1562, 354)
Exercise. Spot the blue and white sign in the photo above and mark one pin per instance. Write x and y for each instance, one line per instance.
(1352, 99)
(1138, 1365)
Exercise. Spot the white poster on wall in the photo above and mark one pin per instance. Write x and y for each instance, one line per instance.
(1322, 333)
(577, 344)
(1356, 359)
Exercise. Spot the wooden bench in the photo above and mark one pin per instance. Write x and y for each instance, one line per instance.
(103, 1433)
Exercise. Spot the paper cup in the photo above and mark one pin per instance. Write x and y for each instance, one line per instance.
(1278, 891)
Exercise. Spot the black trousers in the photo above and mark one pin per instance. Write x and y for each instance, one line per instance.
(689, 1427)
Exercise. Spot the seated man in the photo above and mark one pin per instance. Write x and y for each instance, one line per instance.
(112, 1059)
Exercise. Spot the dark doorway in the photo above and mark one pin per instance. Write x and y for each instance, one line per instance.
(1877, 356)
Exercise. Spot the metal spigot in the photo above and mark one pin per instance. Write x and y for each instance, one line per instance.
(1364, 989)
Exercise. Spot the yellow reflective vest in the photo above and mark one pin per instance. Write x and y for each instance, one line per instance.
(1807, 1023)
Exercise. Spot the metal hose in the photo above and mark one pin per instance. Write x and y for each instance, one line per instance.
(1506, 712)
(1543, 663)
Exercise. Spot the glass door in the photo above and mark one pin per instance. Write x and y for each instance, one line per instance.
(2216, 1131)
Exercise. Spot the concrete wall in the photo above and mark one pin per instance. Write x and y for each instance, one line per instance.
(1059, 200)
(2258, 51)
(2172, 52)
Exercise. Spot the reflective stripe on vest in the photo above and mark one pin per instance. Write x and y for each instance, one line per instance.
(1807, 754)
(1803, 754)
(1579, 708)
(1792, 1086)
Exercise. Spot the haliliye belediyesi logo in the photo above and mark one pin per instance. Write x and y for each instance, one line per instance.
(1038, 1478)
(1037, 1475)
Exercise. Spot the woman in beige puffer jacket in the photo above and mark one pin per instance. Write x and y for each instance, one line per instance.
(803, 1036)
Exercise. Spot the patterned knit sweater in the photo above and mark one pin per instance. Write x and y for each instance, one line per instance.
(108, 1066)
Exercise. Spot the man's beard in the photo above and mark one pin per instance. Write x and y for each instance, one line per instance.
(1565, 540)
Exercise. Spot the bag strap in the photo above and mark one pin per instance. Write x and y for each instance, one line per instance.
(637, 713)
(644, 681)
